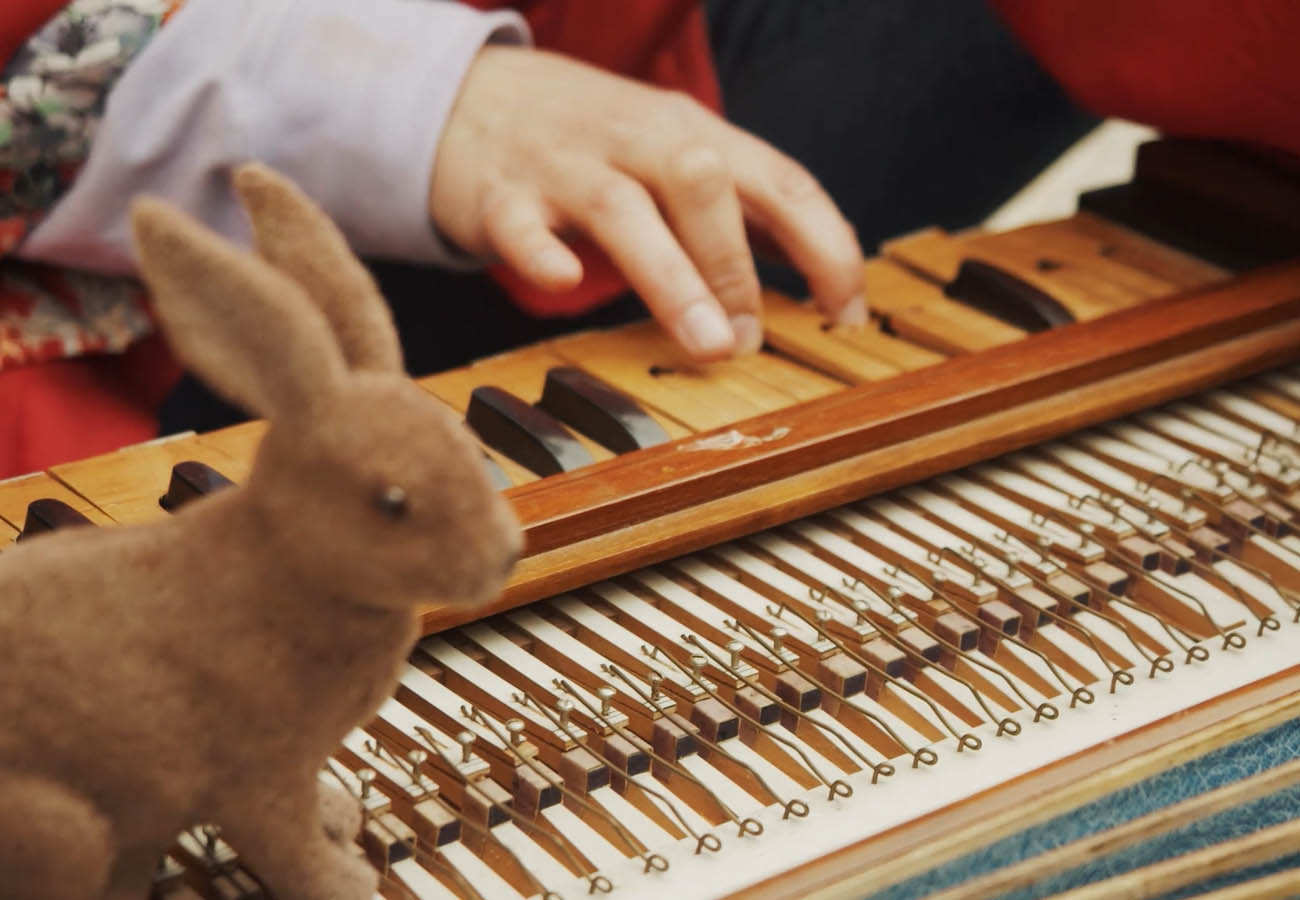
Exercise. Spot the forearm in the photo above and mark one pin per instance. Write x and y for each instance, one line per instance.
(348, 99)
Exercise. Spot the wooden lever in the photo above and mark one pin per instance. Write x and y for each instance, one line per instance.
(531, 437)
(597, 410)
(1004, 296)
(50, 515)
(191, 480)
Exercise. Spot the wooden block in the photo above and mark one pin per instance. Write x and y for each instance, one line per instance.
(797, 330)
(797, 691)
(521, 373)
(532, 791)
(17, 493)
(240, 443)
(756, 706)
(434, 824)
(1001, 616)
(8, 534)
(886, 657)
(917, 310)
(387, 840)
(127, 483)
(1089, 269)
(1111, 579)
(842, 674)
(643, 363)
(1176, 557)
(716, 722)
(957, 630)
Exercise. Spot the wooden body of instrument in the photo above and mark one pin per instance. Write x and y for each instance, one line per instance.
(961, 649)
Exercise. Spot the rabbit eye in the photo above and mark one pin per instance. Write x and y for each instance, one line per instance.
(392, 502)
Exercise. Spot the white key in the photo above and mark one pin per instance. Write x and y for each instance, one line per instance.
(616, 635)
(644, 829)
(690, 605)
(1223, 609)
(665, 625)
(981, 528)
(1059, 477)
(940, 538)
(794, 590)
(537, 860)
(1066, 540)
(446, 701)
(1183, 459)
(751, 601)
(873, 565)
(1119, 481)
(1152, 463)
(404, 721)
(486, 882)
(1251, 411)
(452, 659)
(1054, 499)
(416, 879)
(590, 843)
(959, 577)
(561, 642)
(1254, 586)
(538, 673)
(1287, 385)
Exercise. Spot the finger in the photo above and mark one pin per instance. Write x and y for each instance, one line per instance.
(517, 229)
(784, 200)
(620, 216)
(699, 197)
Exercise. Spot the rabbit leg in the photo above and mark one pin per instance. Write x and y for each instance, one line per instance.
(54, 845)
(283, 839)
(340, 813)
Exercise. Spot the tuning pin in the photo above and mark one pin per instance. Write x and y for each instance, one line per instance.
(563, 707)
(606, 695)
(211, 834)
(895, 593)
(697, 665)
(367, 778)
(861, 608)
(417, 758)
(734, 648)
(655, 680)
(822, 616)
(466, 741)
(938, 576)
(778, 636)
(515, 728)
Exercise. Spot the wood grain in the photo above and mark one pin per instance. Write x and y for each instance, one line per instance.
(749, 507)
(16, 493)
(660, 480)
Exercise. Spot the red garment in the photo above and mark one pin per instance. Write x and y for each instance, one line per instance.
(1192, 68)
(663, 42)
(21, 19)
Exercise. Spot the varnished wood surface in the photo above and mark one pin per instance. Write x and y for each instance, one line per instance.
(660, 480)
(16, 493)
(911, 457)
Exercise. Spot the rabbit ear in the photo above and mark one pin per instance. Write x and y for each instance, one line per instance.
(296, 237)
(243, 327)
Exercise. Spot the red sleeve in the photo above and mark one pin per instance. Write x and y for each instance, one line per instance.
(1195, 68)
(21, 19)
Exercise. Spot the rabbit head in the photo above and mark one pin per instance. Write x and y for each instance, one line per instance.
(364, 483)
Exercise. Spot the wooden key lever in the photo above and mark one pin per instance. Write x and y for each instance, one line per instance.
(597, 410)
(50, 515)
(191, 480)
(1004, 296)
(528, 435)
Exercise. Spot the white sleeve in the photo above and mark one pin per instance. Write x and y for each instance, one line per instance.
(347, 97)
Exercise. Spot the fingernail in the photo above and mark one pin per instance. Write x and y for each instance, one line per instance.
(853, 313)
(704, 330)
(748, 331)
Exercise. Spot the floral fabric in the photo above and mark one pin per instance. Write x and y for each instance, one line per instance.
(52, 97)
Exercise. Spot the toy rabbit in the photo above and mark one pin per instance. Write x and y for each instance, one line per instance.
(201, 668)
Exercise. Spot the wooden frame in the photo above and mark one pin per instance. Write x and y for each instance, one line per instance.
(648, 506)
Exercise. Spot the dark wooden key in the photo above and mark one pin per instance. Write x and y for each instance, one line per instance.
(530, 436)
(191, 480)
(1004, 296)
(603, 414)
(50, 515)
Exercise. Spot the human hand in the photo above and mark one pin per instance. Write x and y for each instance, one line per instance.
(538, 146)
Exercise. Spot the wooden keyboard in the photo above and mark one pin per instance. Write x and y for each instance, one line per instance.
(861, 603)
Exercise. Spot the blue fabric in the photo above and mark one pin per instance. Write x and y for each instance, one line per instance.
(1223, 766)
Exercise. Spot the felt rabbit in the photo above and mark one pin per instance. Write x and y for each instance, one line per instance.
(201, 668)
